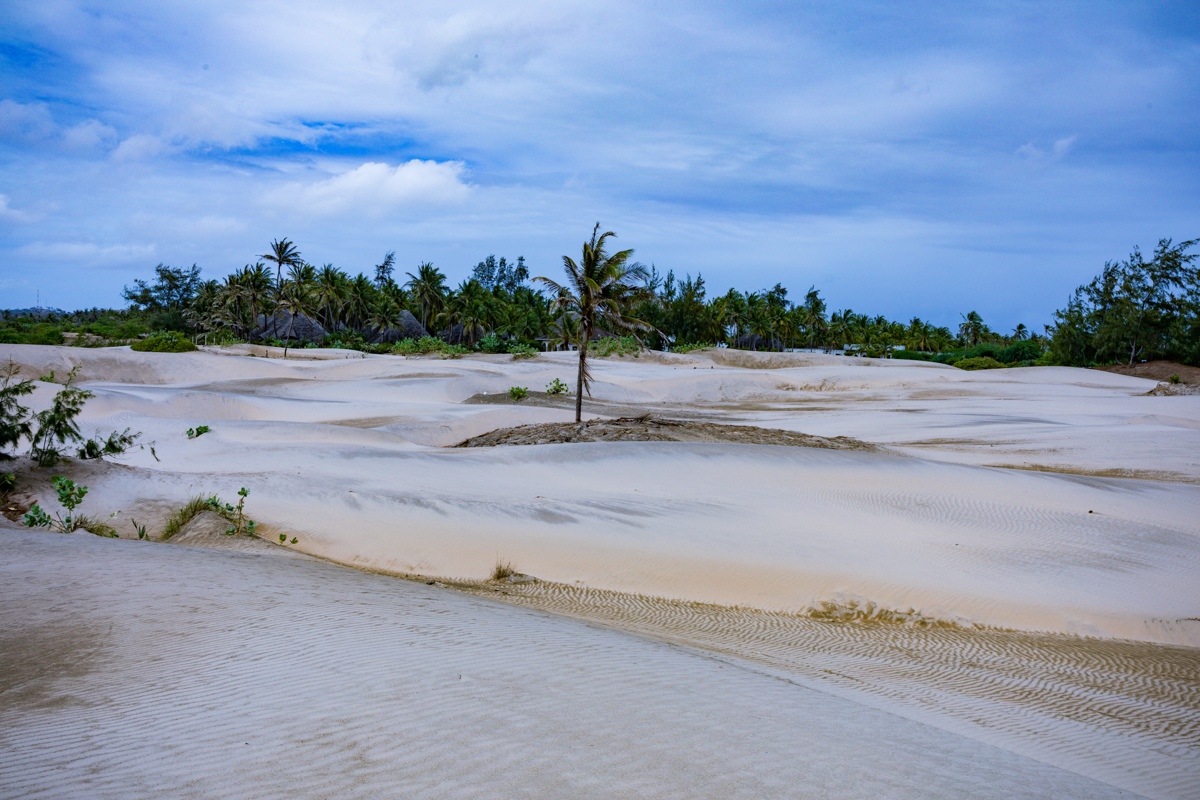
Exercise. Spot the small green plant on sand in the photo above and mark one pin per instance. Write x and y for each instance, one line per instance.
(1173, 379)
(518, 393)
(141, 530)
(522, 351)
(70, 495)
(199, 430)
(557, 387)
(235, 514)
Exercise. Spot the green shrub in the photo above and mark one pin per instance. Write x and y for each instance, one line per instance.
(688, 347)
(423, 346)
(557, 387)
(1047, 360)
(491, 344)
(912, 355)
(983, 362)
(44, 333)
(116, 444)
(1173, 379)
(518, 393)
(1020, 351)
(164, 342)
(522, 351)
(616, 345)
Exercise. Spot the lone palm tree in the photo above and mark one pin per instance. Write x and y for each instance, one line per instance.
(283, 254)
(598, 290)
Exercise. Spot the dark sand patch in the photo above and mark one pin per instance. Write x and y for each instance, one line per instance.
(1157, 371)
(647, 428)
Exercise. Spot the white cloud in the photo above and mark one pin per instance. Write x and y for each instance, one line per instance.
(138, 148)
(1057, 151)
(25, 123)
(1063, 146)
(9, 214)
(84, 253)
(89, 137)
(374, 188)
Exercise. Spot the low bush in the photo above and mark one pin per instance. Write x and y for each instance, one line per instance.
(1020, 351)
(688, 347)
(616, 345)
(491, 344)
(557, 387)
(983, 362)
(424, 346)
(518, 393)
(912, 355)
(522, 351)
(984, 350)
(164, 342)
(1173, 379)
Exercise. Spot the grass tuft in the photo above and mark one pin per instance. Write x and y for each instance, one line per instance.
(184, 515)
(94, 526)
(503, 571)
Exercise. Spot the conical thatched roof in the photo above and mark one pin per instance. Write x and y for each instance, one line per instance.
(409, 328)
(303, 328)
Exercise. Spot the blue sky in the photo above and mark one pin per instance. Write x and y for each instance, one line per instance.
(920, 158)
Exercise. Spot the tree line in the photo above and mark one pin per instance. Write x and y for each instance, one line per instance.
(1141, 308)
(498, 299)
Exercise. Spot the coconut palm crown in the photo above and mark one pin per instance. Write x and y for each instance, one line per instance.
(598, 289)
(283, 254)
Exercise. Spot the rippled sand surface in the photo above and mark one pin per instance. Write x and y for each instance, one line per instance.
(1125, 712)
(141, 670)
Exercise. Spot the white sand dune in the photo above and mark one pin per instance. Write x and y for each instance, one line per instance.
(349, 454)
(191, 673)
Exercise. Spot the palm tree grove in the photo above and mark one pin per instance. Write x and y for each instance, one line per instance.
(1134, 310)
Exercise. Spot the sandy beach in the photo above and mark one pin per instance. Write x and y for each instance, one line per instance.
(893, 579)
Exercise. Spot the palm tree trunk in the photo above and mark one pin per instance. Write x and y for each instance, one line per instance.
(288, 338)
(579, 383)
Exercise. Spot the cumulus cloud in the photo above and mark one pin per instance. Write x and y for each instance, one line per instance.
(374, 188)
(89, 137)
